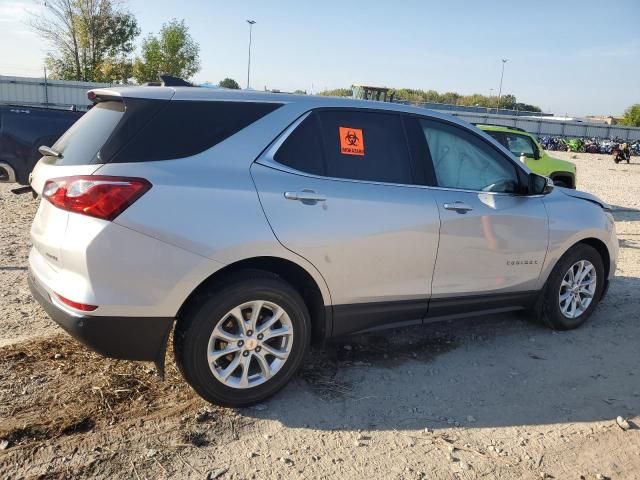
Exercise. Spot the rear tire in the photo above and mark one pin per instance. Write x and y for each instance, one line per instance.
(583, 294)
(257, 375)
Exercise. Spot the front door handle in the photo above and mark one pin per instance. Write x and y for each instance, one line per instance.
(305, 196)
(459, 207)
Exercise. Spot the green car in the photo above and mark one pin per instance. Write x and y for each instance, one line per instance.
(520, 142)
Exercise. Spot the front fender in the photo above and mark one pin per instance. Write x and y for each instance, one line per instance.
(573, 220)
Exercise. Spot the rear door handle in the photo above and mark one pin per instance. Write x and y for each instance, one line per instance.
(305, 196)
(459, 207)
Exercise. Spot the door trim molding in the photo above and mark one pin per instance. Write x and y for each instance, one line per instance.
(358, 317)
(362, 317)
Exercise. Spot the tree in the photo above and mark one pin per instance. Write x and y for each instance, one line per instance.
(631, 117)
(417, 97)
(172, 52)
(338, 92)
(507, 101)
(229, 83)
(92, 39)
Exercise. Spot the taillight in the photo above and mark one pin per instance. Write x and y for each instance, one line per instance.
(78, 306)
(94, 195)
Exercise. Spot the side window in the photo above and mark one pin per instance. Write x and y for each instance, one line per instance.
(302, 150)
(463, 161)
(363, 145)
(165, 130)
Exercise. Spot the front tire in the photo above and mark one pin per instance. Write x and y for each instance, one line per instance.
(573, 289)
(243, 342)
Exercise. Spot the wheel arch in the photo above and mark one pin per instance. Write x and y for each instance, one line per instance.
(298, 277)
(564, 175)
(599, 245)
(601, 248)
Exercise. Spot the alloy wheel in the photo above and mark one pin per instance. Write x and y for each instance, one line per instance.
(250, 344)
(577, 289)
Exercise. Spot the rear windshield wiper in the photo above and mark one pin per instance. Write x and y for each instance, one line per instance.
(49, 152)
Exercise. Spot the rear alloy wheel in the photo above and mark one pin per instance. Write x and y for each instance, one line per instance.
(573, 289)
(242, 343)
(250, 344)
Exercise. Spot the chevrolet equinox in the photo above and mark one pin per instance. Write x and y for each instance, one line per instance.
(251, 224)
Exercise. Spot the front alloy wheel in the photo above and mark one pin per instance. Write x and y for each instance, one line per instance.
(573, 288)
(577, 289)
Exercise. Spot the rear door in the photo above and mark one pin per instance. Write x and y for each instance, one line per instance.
(493, 238)
(340, 189)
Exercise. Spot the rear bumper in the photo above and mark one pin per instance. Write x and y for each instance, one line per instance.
(127, 338)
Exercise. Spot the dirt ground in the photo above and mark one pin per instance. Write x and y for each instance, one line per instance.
(491, 397)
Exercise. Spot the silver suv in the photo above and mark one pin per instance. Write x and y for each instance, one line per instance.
(258, 222)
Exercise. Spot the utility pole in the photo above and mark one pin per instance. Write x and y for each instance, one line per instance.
(504, 60)
(251, 23)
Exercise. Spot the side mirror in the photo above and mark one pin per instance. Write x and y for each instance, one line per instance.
(539, 185)
(536, 154)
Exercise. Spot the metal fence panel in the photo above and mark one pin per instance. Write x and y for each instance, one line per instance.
(545, 126)
(55, 93)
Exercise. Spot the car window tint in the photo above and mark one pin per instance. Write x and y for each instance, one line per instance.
(180, 128)
(363, 145)
(462, 160)
(302, 150)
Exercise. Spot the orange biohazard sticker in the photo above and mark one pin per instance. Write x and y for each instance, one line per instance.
(351, 141)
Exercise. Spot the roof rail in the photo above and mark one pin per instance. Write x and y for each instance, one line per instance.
(496, 125)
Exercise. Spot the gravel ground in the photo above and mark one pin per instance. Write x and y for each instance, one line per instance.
(494, 397)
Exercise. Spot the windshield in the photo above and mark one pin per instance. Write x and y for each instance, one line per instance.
(519, 144)
(515, 143)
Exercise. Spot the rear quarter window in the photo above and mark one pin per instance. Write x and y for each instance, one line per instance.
(185, 128)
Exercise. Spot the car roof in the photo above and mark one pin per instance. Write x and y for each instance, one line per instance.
(224, 94)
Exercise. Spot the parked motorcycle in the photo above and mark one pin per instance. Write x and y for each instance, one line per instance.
(621, 152)
(575, 145)
(591, 146)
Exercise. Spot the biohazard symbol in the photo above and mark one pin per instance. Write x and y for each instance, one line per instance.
(352, 138)
(351, 141)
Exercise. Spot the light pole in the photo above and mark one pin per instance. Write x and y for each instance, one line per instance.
(504, 60)
(250, 22)
(489, 103)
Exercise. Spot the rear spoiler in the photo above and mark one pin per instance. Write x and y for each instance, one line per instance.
(120, 94)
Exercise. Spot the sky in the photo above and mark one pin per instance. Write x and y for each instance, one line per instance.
(568, 57)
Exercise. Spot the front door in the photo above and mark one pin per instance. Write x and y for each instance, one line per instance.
(493, 239)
